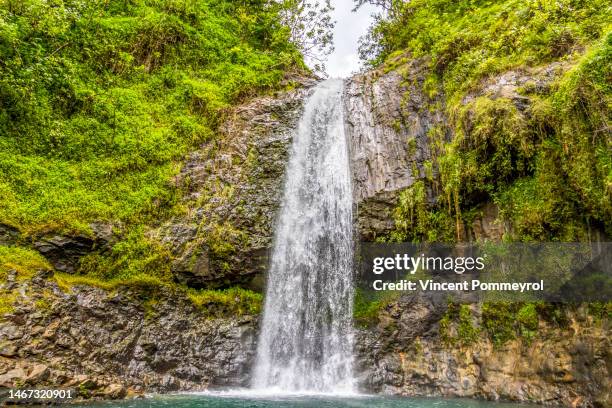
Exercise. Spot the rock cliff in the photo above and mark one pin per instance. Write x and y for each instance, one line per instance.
(393, 125)
(111, 344)
(233, 187)
(404, 354)
(388, 143)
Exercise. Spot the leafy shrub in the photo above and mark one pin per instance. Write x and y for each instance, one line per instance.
(101, 100)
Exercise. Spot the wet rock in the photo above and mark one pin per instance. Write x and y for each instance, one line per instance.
(114, 391)
(388, 140)
(65, 252)
(8, 235)
(103, 344)
(233, 189)
(11, 331)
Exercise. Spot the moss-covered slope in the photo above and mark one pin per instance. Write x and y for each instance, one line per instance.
(525, 86)
(101, 101)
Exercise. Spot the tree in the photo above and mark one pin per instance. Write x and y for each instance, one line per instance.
(389, 7)
(372, 45)
(384, 4)
(311, 27)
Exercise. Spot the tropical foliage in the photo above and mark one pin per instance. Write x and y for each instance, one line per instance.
(547, 165)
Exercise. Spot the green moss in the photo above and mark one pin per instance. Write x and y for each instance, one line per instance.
(223, 239)
(457, 325)
(368, 305)
(7, 299)
(143, 282)
(42, 305)
(25, 262)
(136, 255)
(233, 301)
(491, 148)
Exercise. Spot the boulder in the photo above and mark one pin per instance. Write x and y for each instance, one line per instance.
(64, 252)
(11, 377)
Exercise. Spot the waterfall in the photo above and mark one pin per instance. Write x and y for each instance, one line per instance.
(306, 339)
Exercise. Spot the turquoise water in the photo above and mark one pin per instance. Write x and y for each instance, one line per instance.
(210, 401)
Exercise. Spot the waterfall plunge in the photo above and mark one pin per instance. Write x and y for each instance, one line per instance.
(306, 340)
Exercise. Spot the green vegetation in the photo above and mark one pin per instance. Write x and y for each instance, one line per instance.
(500, 322)
(468, 40)
(368, 305)
(505, 321)
(600, 311)
(7, 298)
(100, 102)
(458, 318)
(135, 256)
(547, 163)
(25, 262)
(146, 284)
(233, 301)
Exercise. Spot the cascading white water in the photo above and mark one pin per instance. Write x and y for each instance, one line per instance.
(306, 339)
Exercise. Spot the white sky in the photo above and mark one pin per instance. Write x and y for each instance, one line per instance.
(349, 27)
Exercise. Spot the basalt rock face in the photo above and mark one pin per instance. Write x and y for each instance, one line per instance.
(8, 235)
(388, 143)
(111, 344)
(390, 122)
(63, 251)
(233, 190)
(404, 355)
(389, 119)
